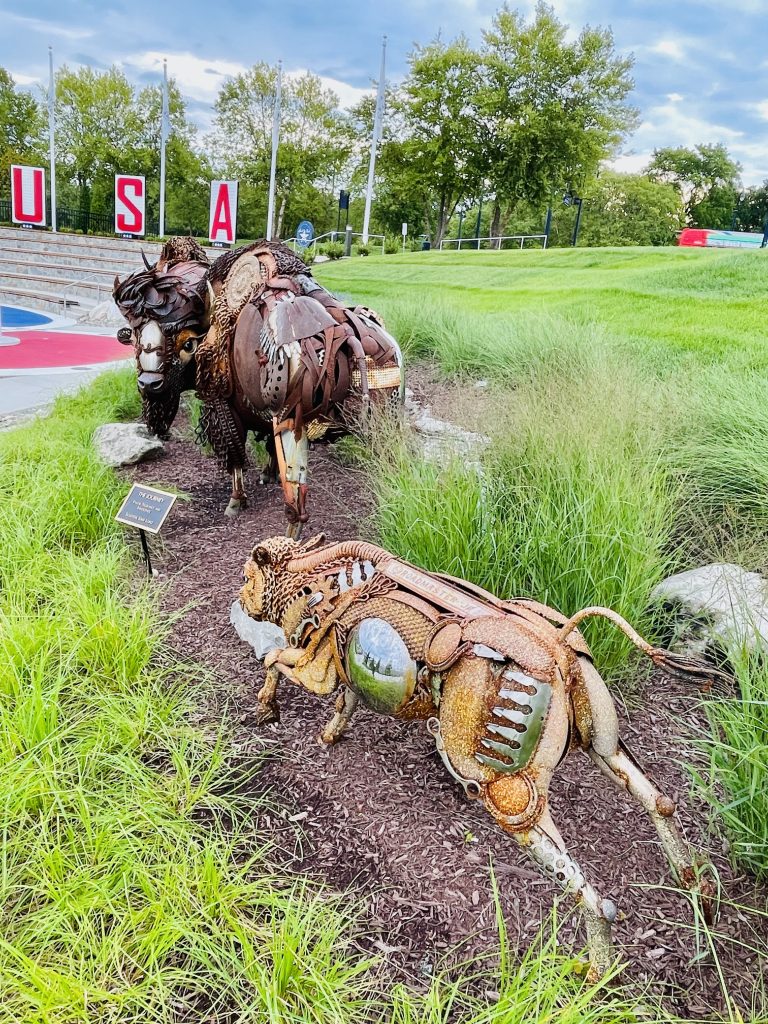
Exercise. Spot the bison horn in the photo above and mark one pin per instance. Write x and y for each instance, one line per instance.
(147, 264)
(117, 283)
(211, 293)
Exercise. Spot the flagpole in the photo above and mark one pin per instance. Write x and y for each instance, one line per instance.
(275, 140)
(52, 135)
(375, 143)
(163, 139)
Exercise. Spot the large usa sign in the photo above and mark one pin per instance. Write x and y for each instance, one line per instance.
(222, 226)
(130, 205)
(28, 195)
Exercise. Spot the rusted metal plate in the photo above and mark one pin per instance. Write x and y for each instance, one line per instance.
(427, 586)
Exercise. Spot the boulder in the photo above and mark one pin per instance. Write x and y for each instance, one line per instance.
(123, 444)
(262, 636)
(720, 605)
(442, 440)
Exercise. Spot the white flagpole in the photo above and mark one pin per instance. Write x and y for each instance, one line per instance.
(52, 135)
(374, 143)
(275, 140)
(163, 140)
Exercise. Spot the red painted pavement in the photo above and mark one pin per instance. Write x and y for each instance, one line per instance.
(41, 349)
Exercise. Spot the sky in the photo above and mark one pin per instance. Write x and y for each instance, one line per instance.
(701, 66)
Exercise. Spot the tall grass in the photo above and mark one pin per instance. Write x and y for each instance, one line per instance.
(133, 882)
(573, 506)
(735, 776)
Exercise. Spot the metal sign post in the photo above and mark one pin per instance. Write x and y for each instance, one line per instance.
(145, 509)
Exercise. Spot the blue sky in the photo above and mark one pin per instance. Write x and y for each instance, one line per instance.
(701, 65)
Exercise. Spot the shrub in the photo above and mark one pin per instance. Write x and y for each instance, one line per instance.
(392, 245)
(333, 250)
(363, 250)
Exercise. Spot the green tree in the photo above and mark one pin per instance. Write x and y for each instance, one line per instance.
(187, 171)
(21, 128)
(436, 160)
(630, 209)
(315, 142)
(551, 109)
(752, 208)
(98, 133)
(707, 178)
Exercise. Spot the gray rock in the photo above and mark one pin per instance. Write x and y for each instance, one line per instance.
(720, 605)
(262, 636)
(123, 444)
(442, 439)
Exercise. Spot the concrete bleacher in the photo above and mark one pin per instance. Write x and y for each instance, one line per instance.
(66, 273)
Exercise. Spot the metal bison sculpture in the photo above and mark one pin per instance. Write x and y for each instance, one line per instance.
(265, 347)
(508, 688)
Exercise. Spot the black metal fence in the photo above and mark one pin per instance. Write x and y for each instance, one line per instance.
(88, 223)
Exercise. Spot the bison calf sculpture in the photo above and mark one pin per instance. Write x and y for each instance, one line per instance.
(506, 687)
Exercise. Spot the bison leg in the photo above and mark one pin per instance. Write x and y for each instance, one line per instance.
(614, 761)
(292, 455)
(268, 711)
(545, 845)
(269, 474)
(346, 702)
(239, 499)
(686, 866)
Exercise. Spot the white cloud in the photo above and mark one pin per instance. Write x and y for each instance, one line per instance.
(49, 28)
(197, 78)
(675, 97)
(201, 79)
(21, 79)
(669, 48)
(631, 163)
(761, 109)
(348, 94)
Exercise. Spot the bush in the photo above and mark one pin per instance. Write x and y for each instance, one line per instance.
(363, 250)
(333, 250)
(392, 246)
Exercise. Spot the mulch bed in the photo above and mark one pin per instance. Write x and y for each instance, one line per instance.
(378, 814)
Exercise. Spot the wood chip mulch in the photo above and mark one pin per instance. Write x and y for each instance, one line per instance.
(379, 816)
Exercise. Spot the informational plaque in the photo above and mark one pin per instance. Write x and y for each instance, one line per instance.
(145, 508)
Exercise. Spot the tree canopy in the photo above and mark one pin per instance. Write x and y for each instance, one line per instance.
(707, 178)
(488, 134)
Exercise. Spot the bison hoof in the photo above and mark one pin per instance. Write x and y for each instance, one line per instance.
(293, 530)
(235, 506)
(267, 712)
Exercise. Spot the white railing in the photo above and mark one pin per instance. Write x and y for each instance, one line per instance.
(474, 243)
(333, 236)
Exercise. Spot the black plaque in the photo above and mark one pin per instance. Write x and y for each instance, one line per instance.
(145, 508)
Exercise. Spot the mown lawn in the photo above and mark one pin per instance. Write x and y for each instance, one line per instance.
(710, 303)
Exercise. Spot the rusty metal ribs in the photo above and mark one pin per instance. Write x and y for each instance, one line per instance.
(507, 689)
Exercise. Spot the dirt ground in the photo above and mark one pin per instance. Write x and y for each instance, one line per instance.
(379, 815)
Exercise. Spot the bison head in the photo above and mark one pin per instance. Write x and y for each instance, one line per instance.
(167, 309)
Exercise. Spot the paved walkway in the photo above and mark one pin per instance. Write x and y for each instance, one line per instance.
(42, 356)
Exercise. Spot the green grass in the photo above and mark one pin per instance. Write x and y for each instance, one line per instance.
(134, 882)
(573, 506)
(676, 304)
(629, 414)
(734, 777)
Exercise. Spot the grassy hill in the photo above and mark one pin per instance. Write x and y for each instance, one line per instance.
(710, 302)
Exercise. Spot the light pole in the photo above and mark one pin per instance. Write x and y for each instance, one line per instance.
(569, 199)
